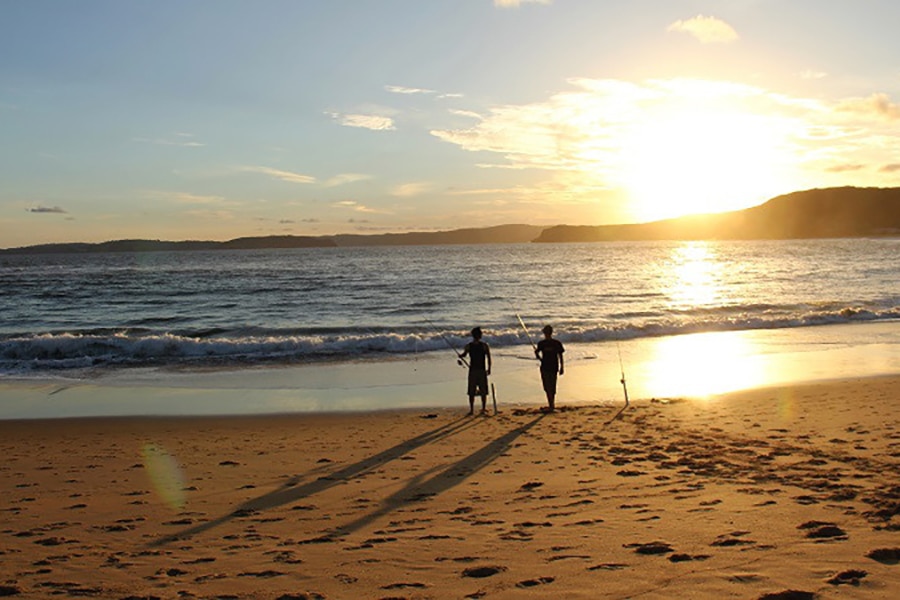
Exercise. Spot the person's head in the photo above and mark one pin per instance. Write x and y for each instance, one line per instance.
(476, 333)
(547, 331)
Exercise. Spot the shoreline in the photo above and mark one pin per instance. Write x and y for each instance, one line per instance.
(690, 365)
(763, 491)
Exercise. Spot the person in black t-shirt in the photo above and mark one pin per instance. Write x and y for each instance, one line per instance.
(479, 354)
(550, 352)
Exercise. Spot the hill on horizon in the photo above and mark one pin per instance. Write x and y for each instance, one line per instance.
(816, 213)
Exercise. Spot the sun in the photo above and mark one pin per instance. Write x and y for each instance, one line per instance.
(692, 160)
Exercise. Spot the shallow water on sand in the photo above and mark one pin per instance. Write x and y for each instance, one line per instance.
(667, 367)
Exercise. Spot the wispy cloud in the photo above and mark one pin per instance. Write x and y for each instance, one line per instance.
(707, 30)
(877, 104)
(812, 74)
(412, 91)
(47, 209)
(373, 122)
(845, 168)
(465, 113)
(345, 178)
(289, 176)
(399, 89)
(408, 190)
(590, 136)
(518, 3)
(188, 198)
(355, 206)
(185, 140)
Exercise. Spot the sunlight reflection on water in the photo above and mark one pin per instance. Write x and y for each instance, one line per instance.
(704, 364)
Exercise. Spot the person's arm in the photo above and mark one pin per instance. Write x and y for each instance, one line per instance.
(465, 351)
(487, 353)
(562, 367)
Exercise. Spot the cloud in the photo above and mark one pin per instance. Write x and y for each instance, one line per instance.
(810, 74)
(397, 89)
(373, 122)
(188, 198)
(891, 168)
(590, 138)
(408, 190)
(282, 175)
(518, 3)
(354, 205)
(466, 113)
(876, 104)
(47, 210)
(345, 178)
(707, 30)
(845, 168)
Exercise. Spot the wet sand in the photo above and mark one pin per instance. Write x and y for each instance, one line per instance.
(787, 492)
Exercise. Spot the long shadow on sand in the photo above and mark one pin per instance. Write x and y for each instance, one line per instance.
(425, 486)
(292, 492)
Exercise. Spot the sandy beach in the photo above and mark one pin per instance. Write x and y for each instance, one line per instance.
(786, 492)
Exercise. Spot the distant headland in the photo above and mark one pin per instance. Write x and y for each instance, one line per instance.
(819, 213)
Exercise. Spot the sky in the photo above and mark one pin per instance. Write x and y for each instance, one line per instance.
(218, 119)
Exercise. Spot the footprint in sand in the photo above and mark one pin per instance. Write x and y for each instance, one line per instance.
(789, 595)
(531, 485)
(400, 586)
(887, 556)
(481, 572)
(732, 539)
(608, 567)
(850, 577)
(822, 530)
(529, 583)
(651, 548)
(687, 557)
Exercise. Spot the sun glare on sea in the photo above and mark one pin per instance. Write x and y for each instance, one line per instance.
(702, 159)
(694, 275)
(703, 364)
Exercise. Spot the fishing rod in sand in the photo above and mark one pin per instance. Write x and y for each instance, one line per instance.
(459, 357)
(624, 385)
(527, 334)
(622, 371)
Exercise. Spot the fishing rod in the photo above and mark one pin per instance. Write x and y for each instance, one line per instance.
(459, 357)
(624, 385)
(622, 370)
(528, 335)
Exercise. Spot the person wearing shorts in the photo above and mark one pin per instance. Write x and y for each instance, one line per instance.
(479, 354)
(550, 352)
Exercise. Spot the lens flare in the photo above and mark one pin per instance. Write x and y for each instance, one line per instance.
(165, 475)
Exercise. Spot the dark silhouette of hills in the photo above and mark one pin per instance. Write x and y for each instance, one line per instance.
(500, 234)
(248, 243)
(818, 213)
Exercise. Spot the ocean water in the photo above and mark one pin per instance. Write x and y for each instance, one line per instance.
(82, 314)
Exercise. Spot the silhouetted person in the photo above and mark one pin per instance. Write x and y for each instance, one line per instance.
(550, 352)
(479, 354)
